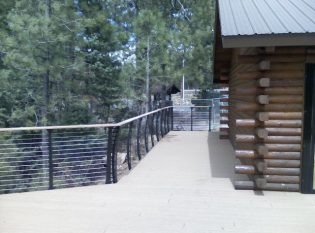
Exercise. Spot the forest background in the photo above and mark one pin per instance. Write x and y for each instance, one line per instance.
(98, 61)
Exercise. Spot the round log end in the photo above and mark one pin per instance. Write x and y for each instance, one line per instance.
(261, 166)
(260, 182)
(262, 150)
(264, 82)
(263, 99)
(262, 133)
(262, 116)
(244, 185)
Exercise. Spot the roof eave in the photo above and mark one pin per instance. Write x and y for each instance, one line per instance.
(267, 40)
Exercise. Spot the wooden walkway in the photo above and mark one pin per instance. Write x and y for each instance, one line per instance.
(182, 185)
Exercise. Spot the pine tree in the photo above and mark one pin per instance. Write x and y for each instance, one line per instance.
(151, 44)
(182, 44)
(38, 51)
(6, 96)
(100, 49)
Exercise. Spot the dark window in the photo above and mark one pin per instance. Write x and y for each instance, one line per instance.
(307, 182)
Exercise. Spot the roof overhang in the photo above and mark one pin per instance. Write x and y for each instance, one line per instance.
(267, 40)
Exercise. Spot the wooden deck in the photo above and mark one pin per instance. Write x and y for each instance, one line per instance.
(183, 185)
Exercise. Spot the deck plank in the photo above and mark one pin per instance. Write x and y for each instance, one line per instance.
(183, 185)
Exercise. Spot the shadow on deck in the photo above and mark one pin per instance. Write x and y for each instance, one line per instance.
(182, 185)
(221, 158)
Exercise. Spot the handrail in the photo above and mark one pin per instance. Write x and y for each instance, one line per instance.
(110, 125)
(67, 158)
(140, 116)
(53, 163)
(191, 106)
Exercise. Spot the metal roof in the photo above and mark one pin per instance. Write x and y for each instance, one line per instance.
(267, 19)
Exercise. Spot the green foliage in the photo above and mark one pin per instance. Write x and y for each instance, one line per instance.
(91, 61)
(102, 66)
(58, 57)
(180, 36)
(59, 61)
(39, 55)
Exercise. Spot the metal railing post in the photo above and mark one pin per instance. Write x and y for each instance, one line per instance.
(109, 156)
(114, 154)
(50, 160)
(168, 119)
(146, 135)
(191, 118)
(157, 126)
(152, 129)
(138, 138)
(172, 118)
(213, 123)
(209, 118)
(161, 123)
(129, 145)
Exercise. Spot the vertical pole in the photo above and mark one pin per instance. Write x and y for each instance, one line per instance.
(209, 118)
(213, 114)
(148, 92)
(138, 138)
(129, 145)
(146, 135)
(161, 123)
(172, 118)
(152, 129)
(50, 160)
(109, 156)
(183, 82)
(157, 126)
(191, 118)
(168, 119)
(114, 154)
(165, 121)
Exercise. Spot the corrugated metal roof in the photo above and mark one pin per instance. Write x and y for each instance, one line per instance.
(264, 17)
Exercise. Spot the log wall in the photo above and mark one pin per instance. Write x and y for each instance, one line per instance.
(224, 109)
(221, 71)
(265, 115)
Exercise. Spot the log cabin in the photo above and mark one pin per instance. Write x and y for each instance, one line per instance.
(265, 60)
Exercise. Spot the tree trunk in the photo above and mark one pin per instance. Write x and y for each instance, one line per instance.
(148, 92)
(45, 104)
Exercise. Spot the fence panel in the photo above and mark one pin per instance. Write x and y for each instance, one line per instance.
(192, 118)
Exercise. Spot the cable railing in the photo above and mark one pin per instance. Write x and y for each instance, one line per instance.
(192, 118)
(41, 158)
(51, 157)
(197, 118)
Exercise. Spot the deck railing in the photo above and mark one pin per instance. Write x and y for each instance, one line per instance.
(192, 118)
(197, 118)
(40, 158)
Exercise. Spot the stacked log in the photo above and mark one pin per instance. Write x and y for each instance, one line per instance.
(221, 70)
(224, 108)
(266, 106)
(254, 185)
